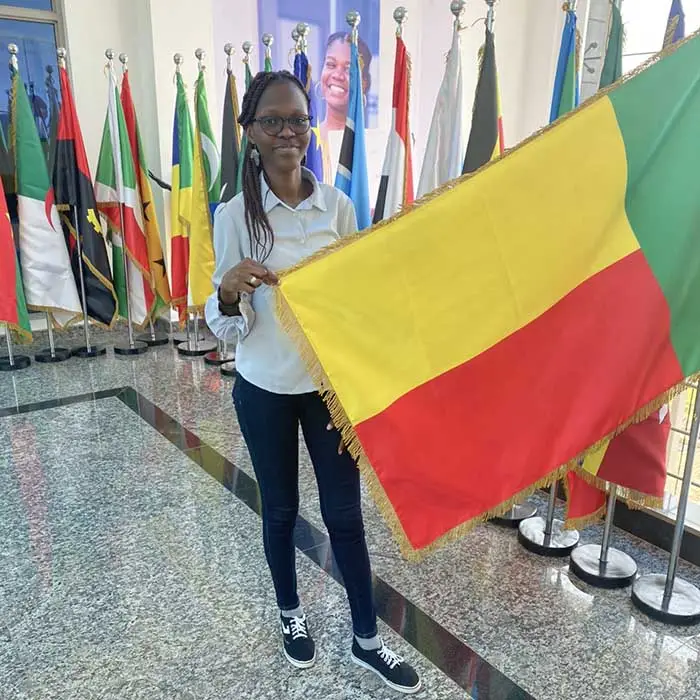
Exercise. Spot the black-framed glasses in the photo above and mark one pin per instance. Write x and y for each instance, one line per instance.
(273, 126)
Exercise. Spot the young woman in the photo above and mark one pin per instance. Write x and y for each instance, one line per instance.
(282, 216)
(335, 79)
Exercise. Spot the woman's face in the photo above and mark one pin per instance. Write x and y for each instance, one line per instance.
(335, 78)
(284, 151)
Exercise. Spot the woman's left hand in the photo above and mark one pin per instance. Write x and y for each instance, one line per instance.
(341, 447)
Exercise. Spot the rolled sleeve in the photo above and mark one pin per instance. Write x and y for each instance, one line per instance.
(228, 252)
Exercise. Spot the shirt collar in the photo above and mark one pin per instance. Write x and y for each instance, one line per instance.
(271, 200)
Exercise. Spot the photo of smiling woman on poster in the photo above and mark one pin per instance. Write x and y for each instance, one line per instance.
(334, 86)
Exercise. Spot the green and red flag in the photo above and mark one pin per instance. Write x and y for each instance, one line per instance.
(75, 196)
(49, 284)
(13, 307)
(156, 258)
(118, 199)
(585, 318)
(230, 139)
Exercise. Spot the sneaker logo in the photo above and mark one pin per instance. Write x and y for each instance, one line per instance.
(285, 629)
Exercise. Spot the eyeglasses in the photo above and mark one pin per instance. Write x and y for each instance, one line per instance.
(273, 126)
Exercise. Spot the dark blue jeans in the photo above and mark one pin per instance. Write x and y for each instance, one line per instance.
(270, 425)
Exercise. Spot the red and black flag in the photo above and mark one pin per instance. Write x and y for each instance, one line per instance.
(75, 196)
(396, 185)
(230, 140)
(486, 137)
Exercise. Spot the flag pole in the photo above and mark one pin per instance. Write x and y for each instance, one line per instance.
(52, 353)
(599, 564)
(134, 347)
(666, 597)
(12, 362)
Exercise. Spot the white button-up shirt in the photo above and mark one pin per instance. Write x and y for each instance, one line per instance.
(265, 356)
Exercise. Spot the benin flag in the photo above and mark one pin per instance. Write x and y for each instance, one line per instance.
(181, 197)
(75, 194)
(486, 138)
(206, 182)
(46, 270)
(13, 307)
(156, 259)
(396, 184)
(584, 319)
(635, 460)
(118, 199)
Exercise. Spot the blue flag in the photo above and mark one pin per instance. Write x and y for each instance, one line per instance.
(352, 168)
(566, 93)
(314, 156)
(675, 28)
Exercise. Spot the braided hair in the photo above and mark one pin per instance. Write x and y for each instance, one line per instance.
(259, 229)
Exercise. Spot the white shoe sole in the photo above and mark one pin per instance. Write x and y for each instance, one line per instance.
(299, 664)
(393, 686)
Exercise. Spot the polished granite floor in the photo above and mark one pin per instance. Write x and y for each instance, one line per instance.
(127, 571)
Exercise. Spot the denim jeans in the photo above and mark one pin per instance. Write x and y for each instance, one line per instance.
(270, 426)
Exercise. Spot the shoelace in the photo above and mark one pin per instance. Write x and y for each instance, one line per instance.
(389, 657)
(298, 628)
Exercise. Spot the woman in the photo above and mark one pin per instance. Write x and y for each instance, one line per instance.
(335, 79)
(282, 216)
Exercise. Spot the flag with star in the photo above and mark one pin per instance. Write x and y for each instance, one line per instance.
(317, 153)
(156, 259)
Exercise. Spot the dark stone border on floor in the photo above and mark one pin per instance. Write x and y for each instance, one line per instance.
(448, 653)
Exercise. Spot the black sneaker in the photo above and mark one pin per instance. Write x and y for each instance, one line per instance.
(390, 667)
(299, 648)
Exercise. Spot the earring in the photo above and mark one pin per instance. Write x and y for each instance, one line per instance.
(255, 156)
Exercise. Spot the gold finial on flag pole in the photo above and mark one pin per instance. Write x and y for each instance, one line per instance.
(400, 17)
(353, 18)
(62, 54)
(229, 50)
(200, 55)
(268, 40)
(304, 30)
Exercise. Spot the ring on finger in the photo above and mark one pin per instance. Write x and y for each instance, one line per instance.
(253, 280)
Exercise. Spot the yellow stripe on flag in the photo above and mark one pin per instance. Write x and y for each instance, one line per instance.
(375, 303)
(594, 459)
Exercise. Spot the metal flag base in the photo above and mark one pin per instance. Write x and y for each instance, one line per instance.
(178, 338)
(228, 369)
(219, 358)
(17, 362)
(92, 351)
(518, 513)
(195, 349)
(558, 543)
(58, 355)
(682, 608)
(135, 348)
(617, 572)
(153, 340)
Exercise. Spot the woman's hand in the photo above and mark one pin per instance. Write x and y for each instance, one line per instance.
(247, 276)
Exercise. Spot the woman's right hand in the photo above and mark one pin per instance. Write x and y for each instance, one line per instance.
(247, 276)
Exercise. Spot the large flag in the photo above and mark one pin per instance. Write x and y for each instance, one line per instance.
(74, 192)
(317, 154)
(205, 197)
(156, 258)
(244, 140)
(396, 184)
(13, 307)
(635, 461)
(351, 177)
(447, 140)
(48, 279)
(486, 140)
(181, 197)
(585, 318)
(230, 140)
(612, 65)
(675, 28)
(118, 199)
(566, 84)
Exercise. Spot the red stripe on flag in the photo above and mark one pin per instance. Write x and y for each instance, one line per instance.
(607, 342)
(401, 103)
(68, 128)
(180, 251)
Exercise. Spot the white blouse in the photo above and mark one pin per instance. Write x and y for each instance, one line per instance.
(265, 356)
